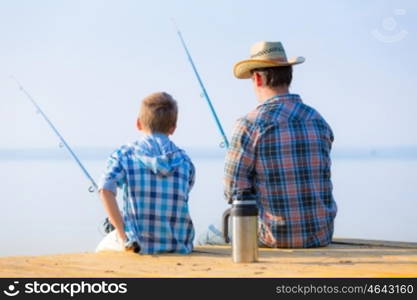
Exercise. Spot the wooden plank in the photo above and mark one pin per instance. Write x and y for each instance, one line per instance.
(374, 243)
(336, 260)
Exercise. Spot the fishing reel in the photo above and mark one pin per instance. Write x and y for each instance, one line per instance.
(108, 226)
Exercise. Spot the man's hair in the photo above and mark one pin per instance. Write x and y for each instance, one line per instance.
(158, 112)
(276, 76)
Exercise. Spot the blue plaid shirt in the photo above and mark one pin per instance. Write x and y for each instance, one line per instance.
(280, 156)
(156, 178)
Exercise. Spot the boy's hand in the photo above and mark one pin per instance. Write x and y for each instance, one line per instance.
(110, 205)
(122, 235)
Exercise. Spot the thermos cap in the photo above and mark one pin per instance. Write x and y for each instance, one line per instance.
(244, 202)
(244, 208)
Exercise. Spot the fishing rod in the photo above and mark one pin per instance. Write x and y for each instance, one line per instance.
(213, 111)
(63, 143)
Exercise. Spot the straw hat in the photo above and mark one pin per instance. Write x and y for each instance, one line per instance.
(264, 55)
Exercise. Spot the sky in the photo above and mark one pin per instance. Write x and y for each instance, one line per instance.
(89, 63)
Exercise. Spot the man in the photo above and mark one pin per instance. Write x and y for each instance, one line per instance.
(280, 156)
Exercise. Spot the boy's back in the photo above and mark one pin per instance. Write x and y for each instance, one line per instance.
(155, 177)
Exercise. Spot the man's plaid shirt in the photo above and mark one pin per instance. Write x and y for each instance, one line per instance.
(280, 156)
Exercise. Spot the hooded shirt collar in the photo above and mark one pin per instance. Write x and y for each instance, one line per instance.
(159, 154)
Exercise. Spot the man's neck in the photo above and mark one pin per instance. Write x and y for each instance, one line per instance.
(267, 93)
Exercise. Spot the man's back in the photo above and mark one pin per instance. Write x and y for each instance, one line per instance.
(281, 153)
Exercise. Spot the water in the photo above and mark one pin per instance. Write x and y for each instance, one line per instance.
(46, 207)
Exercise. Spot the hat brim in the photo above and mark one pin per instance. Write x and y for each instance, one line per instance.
(242, 69)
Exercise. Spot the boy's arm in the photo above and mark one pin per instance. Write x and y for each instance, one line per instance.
(112, 210)
(113, 177)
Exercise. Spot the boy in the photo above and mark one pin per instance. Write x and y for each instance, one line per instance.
(156, 178)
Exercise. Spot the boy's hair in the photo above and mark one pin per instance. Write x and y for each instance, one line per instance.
(158, 112)
(276, 76)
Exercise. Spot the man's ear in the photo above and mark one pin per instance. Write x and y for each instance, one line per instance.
(258, 79)
(139, 125)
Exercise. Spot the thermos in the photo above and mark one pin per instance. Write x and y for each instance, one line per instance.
(244, 220)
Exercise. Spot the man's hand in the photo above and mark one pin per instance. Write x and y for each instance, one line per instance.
(112, 210)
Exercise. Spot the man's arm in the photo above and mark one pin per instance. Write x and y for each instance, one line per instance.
(112, 210)
(240, 162)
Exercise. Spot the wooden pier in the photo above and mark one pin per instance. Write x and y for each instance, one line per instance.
(343, 258)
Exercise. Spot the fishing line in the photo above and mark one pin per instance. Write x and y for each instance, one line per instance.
(225, 142)
(62, 143)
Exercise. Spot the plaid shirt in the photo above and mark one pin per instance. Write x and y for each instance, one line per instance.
(280, 156)
(155, 177)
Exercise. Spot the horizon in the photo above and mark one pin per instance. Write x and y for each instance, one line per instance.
(98, 153)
